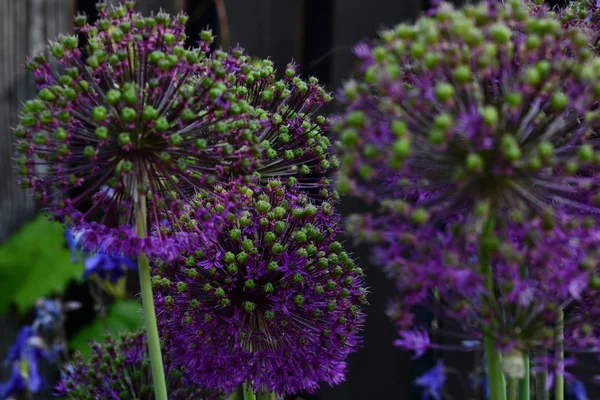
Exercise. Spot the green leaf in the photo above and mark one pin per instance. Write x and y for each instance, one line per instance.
(121, 316)
(34, 263)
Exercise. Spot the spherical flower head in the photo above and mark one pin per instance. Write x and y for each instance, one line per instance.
(269, 297)
(288, 136)
(118, 121)
(537, 269)
(486, 105)
(120, 369)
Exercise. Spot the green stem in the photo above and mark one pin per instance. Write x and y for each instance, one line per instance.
(248, 392)
(496, 383)
(513, 388)
(153, 340)
(524, 384)
(559, 378)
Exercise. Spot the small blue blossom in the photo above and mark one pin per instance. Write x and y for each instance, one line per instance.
(15, 385)
(48, 313)
(24, 356)
(107, 266)
(576, 390)
(432, 382)
(72, 245)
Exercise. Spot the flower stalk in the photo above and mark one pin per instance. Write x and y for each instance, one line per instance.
(158, 374)
(248, 392)
(559, 385)
(496, 381)
(513, 388)
(524, 383)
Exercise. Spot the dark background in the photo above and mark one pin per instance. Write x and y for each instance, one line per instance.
(317, 34)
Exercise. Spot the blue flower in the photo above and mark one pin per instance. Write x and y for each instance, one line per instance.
(432, 382)
(107, 266)
(48, 313)
(24, 356)
(72, 245)
(15, 385)
(576, 390)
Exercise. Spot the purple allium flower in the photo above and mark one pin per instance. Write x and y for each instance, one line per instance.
(24, 357)
(107, 267)
(267, 297)
(290, 139)
(537, 269)
(120, 369)
(486, 105)
(432, 382)
(123, 118)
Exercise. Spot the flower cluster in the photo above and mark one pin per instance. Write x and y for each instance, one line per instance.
(268, 297)
(131, 117)
(486, 105)
(120, 369)
(442, 270)
(474, 132)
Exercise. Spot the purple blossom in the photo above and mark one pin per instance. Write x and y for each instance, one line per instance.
(433, 268)
(280, 309)
(132, 116)
(107, 267)
(432, 382)
(119, 121)
(414, 340)
(118, 369)
(433, 133)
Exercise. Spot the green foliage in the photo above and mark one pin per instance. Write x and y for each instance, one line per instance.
(121, 316)
(34, 263)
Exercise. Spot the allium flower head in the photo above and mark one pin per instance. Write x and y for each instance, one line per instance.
(536, 271)
(121, 117)
(287, 137)
(268, 297)
(484, 105)
(291, 134)
(120, 369)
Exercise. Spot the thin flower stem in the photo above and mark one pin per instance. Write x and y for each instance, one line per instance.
(524, 384)
(513, 388)
(559, 384)
(497, 386)
(248, 392)
(158, 374)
